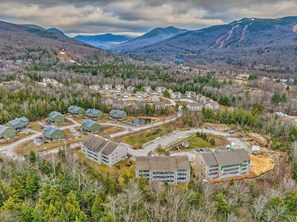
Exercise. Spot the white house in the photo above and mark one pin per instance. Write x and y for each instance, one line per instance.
(194, 107)
(107, 87)
(101, 150)
(160, 89)
(119, 87)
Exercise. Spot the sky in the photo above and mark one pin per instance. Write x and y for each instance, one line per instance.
(135, 17)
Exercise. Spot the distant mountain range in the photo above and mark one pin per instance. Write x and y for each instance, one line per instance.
(152, 37)
(244, 43)
(31, 42)
(105, 41)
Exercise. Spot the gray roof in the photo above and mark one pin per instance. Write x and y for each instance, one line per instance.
(225, 157)
(74, 108)
(95, 143)
(53, 114)
(93, 111)
(117, 112)
(110, 147)
(98, 143)
(89, 123)
(209, 159)
(17, 121)
(49, 130)
(3, 129)
(162, 163)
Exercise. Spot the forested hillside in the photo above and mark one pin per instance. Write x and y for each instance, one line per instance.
(66, 190)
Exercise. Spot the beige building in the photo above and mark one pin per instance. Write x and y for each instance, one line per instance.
(223, 163)
(171, 169)
(101, 150)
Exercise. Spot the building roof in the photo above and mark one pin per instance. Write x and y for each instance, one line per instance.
(194, 104)
(117, 112)
(3, 129)
(95, 143)
(98, 143)
(74, 108)
(226, 157)
(89, 123)
(17, 121)
(209, 159)
(162, 163)
(54, 114)
(93, 111)
(110, 147)
(49, 130)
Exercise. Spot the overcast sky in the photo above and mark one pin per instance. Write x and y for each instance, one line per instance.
(137, 16)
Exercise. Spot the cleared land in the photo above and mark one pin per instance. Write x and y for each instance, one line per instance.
(19, 136)
(138, 139)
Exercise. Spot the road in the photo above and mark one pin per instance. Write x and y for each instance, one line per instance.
(150, 146)
(179, 135)
(8, 150)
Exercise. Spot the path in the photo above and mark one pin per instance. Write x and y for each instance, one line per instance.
(179, 135)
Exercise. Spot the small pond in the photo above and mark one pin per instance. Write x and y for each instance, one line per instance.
(141, 121)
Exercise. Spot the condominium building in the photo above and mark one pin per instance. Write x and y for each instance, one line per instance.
(102, 150)
(223, 163)
(171, 169)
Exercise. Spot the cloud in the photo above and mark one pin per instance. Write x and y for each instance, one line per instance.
(137, 16)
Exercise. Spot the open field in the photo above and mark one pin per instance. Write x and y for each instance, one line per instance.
(138, 139)
(116, 172)
(107, 130)
(19, 136)
(36, 126)
(26, 147)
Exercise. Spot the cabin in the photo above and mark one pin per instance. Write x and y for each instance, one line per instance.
(140, 104)
(76, 110)
(160, 89)
(94, 113)
(107, 87)
(56, 117)
(19, 123)
(159, 105)
(118, 114)
(147, 89)
(108, 101)
(119, 104)
(194, 107)
(53, 133)
(7, 132)
(90, 126)
(120, 87)
(130, 89)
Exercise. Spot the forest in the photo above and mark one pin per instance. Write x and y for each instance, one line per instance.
(63, 189)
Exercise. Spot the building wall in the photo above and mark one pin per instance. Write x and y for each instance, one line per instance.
(171, 177)
(119, 154)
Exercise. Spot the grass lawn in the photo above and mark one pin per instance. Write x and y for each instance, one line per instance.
(115, 172)
(194, 142)
(107, 130)
(19, 136)
(36, 126)
(26, 147)
(138, 139)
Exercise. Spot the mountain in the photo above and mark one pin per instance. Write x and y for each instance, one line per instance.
(152, 37)
(31, 42)
(244, 43)
(53, 30)
(105, 41)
